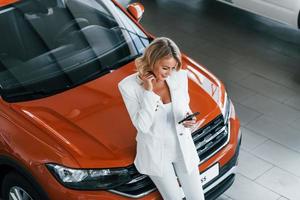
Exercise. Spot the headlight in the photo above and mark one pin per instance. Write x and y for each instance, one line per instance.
(227, 109)
(89, 179)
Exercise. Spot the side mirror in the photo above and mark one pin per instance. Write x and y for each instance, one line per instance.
(136, 10)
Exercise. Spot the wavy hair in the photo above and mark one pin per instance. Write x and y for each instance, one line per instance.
(159, 48)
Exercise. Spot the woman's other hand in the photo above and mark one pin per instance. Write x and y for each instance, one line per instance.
(148, 79)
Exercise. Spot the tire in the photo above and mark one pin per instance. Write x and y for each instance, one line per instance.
(13, 182)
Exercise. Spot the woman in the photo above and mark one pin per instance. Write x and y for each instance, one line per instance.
(157, 98)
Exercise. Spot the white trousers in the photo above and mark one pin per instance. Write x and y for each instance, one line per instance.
(168, 185)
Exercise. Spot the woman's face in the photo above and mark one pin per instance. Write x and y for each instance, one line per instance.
(164, 67)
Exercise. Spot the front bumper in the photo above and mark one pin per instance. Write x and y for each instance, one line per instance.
(140, 189)
(145, 190)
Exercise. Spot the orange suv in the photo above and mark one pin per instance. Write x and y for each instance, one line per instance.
(64, 129)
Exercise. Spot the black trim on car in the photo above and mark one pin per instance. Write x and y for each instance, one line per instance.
(299, 20)
(217, 191)
(10, 162)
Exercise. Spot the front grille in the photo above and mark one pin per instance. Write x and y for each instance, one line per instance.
(210, 138)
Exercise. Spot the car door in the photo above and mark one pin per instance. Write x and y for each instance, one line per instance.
(285, 11)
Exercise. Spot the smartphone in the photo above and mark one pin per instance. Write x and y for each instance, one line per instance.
(189, 117)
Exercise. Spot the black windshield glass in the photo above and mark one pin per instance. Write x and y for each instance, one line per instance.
(49, 46)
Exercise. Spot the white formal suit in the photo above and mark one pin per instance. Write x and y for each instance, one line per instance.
(144, 109)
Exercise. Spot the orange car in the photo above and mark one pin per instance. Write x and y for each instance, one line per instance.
(64, 130)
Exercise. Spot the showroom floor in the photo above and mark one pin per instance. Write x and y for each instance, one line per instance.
(258, 60)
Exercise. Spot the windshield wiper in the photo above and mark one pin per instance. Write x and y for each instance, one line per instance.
(129, 31)
(25, 92)
(14, 96)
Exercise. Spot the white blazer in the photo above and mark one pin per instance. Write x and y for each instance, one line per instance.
(144, 110)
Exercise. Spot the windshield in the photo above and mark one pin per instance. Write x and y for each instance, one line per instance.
(48, 46)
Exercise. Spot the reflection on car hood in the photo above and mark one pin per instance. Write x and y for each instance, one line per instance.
(92, 123)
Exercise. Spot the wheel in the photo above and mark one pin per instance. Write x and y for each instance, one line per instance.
(15, 187)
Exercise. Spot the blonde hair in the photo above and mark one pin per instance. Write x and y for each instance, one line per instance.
(159, 48)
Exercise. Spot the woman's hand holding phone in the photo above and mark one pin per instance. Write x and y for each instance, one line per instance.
(148, 79)
(189, 123)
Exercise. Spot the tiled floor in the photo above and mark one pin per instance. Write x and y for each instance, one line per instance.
(258, 60)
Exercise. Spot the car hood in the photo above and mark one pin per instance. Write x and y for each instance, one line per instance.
(92, 123)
